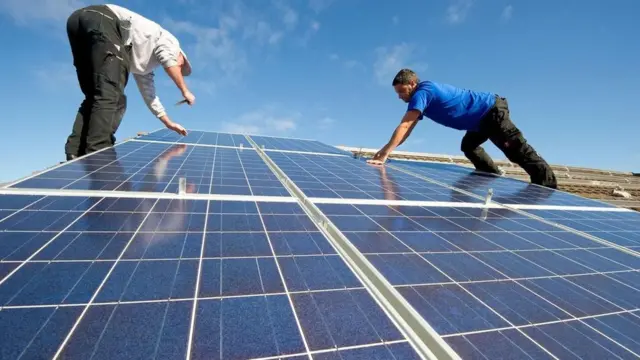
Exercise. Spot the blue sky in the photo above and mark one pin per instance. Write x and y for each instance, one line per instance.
(322, 69)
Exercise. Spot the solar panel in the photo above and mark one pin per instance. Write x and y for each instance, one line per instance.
(620, 228)
(235, 140)
(153, 167)
(286, 249)
(343, 177)
(504, 278)
(506, 190)
(297, 145)
(198, 137)
(82, 275)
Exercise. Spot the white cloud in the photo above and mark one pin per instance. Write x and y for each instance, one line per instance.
(263, 33)
(269, 120)
(326, 123)
(349, 64)
(213, 48)
(352, 64)
(320, 5)
(314, 27)
(412, 142)
(241, 128)
(389, 60)
(290, 17)
(57, 76)
(507, 13)
(458, 10)
(24, 12)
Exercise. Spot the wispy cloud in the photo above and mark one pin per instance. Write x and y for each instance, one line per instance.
(389, 60)
(326, 123)
(320, 5)
(395, 20)
(312, 29)
(458, 10)
(52, 11)
(289, 16)
(213, 48)
(347, 63)
(56, 76)
(269, 120)
(354, 64)
(507, 13)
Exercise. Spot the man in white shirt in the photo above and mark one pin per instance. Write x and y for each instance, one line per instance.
(108, 42)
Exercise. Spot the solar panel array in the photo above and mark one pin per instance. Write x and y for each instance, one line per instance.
(230, 246)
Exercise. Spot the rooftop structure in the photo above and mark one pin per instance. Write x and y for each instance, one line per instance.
(615, 187)
(232, 246)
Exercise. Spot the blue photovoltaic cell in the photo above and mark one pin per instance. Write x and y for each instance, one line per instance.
(154, 167)
(506, 277)
(198, 137)
(130, 267)
(275, 143)
(118, 277)
(345, 177)
(621, 228)
(505, 190)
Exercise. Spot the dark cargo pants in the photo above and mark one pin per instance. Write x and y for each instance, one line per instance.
(102, 66)
(498, 127)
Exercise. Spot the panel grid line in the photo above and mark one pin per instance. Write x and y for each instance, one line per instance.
(465, 289)
(22, 263)
(635, 312)
(507, 278)
(99, 288)
(282, 278)
(531, 291)
(189, 299)
(484, 272)
(80, 158)
(188, 143)
(566, 228)
(361, 266)
(106, 165)
(194, 309)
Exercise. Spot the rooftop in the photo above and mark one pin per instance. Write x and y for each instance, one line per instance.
(614, 187)
(234, 246)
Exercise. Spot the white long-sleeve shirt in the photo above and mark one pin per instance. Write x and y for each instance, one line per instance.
(151, 45)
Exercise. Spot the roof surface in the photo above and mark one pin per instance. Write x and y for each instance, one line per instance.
(230, 246)
(606, 185)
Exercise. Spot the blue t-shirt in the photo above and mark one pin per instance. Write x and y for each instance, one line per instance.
(452, 107)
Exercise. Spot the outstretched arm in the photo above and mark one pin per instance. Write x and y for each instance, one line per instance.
(402, 132)
(175, 73)
(146, 86)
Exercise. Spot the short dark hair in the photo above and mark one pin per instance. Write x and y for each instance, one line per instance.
(404, 76)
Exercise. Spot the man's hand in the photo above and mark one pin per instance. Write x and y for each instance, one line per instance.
(380, 157)
(402, 132)
(176, 127)
(188, 96)
(173, 126)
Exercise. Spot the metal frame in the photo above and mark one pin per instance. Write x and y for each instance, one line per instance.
(425, 340)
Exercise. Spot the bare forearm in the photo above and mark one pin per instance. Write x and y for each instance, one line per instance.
(175, 73)
(398, 137)
(165, 119)
(406, 134)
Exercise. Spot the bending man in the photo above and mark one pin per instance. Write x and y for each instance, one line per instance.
(484, 116)
(107, 42)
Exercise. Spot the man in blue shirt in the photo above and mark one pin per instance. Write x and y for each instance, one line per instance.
(483, 115)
